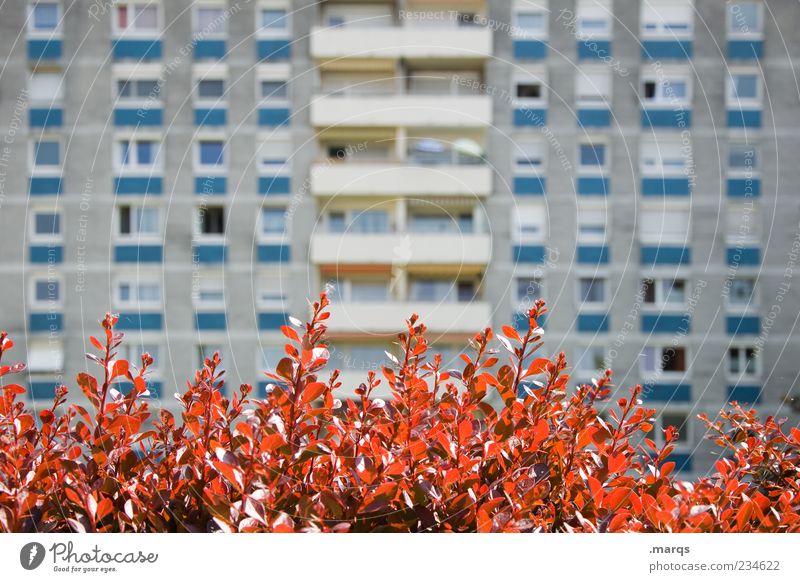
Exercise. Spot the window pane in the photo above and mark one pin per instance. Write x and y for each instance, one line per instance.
(47, 291)
(122, 17)
(274, 89)
(273, 220)
(146, 18)
(273, 19)
(47, 223)
(592, 290)
(211, 153)
(649, 356)
(679, 421)
(674, 291)
(147, 88)
(742, 156)
(734, 366)
(45, 16)
(45, 87)
(529, 91)
(211, 89)
(593, 155)
(147, 220)
(336, 222)
(210, 20)
(124, 89)
(743, 17)
(374, 221)
(531, 21)
(741, 291)
(46, 153)
(372, 292)
(744, 87)
(529, 289)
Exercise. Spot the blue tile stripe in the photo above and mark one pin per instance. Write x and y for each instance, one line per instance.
(46, 117)
(744, 394)
(210, 49)
(666, 392)
(745, 49)
(271, 321)
(275, 185)
(528, 253)
(594, 49)
(666, 323)
(138, 253)
(45, 186)
(593, 254)
(592, 322)
(529, 185)
(46, 322)
(594, 118)
(136, 49)
(666, 186)
(139, 321)
(139, 116)
(211, 321)
(273, 116)
(527, 50)
(667, 49)
(743, 256)
(210, 185)
(274, 50)
(743, 324)
(44, 49)
(46, 254)
(210, 253)
(665, 255)
(593, 186)
(138, 185)
(744, 187)
(526, 116)
(274, 253)
(211, 117)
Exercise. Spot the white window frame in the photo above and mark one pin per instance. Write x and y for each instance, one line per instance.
(135, 281)
(217, 281)
(130, 31)
(660, 303)
(519, 152)
(597, 10)
(51, 353)
(661, 373)
(744, 34)
(529, 8)
(210, 237)
(517, 222)
(593, 170)
(663, 97)
(35, 237)
(274, 286)
(662, 32)
(743, 376)
(649, 236)
(136, 167)
(529, 79)
(137, 236)
(273, 236)
(285, 6)
(58, 98)
(37, 304)
(591, 305)
(210, 169)
(274, 169)
(592, 238)
(33, 32)
(755, 300)
(45, 170)
(754, 219)
(600, 99)
(206, 5)
(733, 102)
(661, 146)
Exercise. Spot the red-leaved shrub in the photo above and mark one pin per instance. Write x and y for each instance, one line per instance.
(434, 457)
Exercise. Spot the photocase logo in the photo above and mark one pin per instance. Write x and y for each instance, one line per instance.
(31, 555)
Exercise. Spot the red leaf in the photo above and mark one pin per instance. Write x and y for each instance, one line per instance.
(617, 463)
(538, 366)
(313, 391)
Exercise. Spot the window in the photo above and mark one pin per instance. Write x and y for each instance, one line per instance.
(211, 153)
(370, 221)
(529, 156)
(139, 221)
(667, 18)
(440, 223)
(742, 157)
(745, 19)
(530, 91)
(657, 360)
(274, 90)
(442, 290)
(209, 291)
(132, 352)
(268, 357)
(592, 225)
(137, 89)
(744, 224)
(45, 87)
(664, 226)
(137, 154)
(274, 153)
(744, 89)
(45, 225)
(44, 17)
(591, 291)
(531, 24)
(274, 21)
(136, 17)
(528, 290)
(369, 291)
(591, 359)
(209, 20)
(592, 156)
(210, 89)
(742, 293)
(670, 90)
(593, 88)
(138, 293)
(664, 292)
(46, 292)
(45, 356)
(743, 362)
(46, 154)
(664, 156)
(211, 220)
(594, 19)
(270, 293)
(529, 221)
(680, 421)
(273, 221)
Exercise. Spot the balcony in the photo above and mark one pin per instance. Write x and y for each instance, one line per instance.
(388, 318)
(396, 42)
(400, 179)
(394, 248)
(401, 110)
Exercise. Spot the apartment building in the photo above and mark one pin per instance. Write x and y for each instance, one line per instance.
(201, 168)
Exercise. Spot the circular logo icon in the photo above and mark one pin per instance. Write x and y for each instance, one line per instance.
(31, 555)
